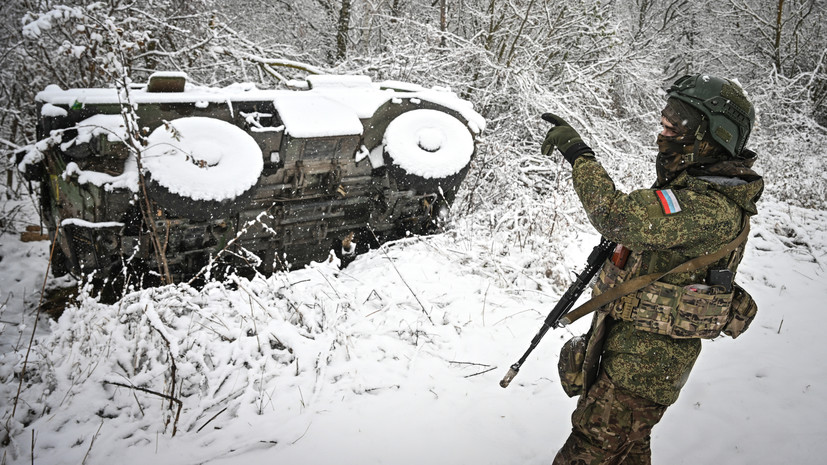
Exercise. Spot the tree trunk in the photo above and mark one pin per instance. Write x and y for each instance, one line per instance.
(341, 35)
(777, 45)
(443, 24)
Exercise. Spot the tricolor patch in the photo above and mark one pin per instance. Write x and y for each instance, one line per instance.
(668, 201)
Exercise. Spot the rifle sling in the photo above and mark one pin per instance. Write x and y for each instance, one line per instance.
(640, 282)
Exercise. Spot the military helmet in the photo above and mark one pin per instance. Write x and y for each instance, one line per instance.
(723, 103)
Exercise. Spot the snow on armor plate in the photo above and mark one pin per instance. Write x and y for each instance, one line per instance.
(203, 158)
(429, 143)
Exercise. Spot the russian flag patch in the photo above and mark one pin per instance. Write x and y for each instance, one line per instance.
(668, 201)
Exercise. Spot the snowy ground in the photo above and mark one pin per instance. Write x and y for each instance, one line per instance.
(386, 362)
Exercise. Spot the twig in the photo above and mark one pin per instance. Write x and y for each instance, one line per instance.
(253, 297)
(140, 407)
(515, 314)
(469, 363)
(92, 443)
(804, 275)
(269, 398)
(305, 432)
(484, 371)
(271, 62)
(375, 312)
(173, 369)
(211, 419)
(402, 278)
(239, 234)
(484, 300)
(147, 211)
(261, 389)
(154, 393)
(393, 386)
(373, 292)
(779, 326)
(255, 328)
(329, 284)
(34, 328)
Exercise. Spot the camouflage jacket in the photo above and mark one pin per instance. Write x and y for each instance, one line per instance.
(695, 214)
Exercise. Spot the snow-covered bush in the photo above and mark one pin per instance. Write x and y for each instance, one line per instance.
(272, 343)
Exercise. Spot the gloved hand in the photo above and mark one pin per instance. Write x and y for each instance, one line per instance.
(564, 138)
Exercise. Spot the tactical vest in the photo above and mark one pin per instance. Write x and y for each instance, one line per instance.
(695, 310)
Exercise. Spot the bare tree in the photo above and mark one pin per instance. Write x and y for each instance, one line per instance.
(443, 21)
(778, 30)
(342, 31)
(513, 58)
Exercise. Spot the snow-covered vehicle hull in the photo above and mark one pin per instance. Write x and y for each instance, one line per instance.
(240, 178)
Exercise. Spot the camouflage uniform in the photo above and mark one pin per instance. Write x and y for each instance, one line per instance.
(640, 372)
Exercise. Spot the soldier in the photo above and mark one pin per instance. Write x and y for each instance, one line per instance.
(642, 346)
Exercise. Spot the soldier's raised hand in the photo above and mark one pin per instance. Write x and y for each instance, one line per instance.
(563, 137)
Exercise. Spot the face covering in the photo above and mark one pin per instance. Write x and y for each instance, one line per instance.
(671, 151)
(674, 155)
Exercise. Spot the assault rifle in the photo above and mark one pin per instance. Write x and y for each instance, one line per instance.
(557, 317)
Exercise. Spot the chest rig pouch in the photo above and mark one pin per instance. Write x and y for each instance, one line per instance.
(690, 311)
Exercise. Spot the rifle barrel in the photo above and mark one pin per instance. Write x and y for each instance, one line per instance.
(600, 253)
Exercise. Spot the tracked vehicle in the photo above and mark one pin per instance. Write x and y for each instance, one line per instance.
(239, 178)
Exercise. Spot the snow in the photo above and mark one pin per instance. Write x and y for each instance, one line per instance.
(401, 85)
(90, 224)
(34, 25)
(34, 153)
(386, 362)
(203, 158)
(254, 123)
(49, 110)
(429, 143)
(306, 115)
(377, 156)
(362, 154)
(339, 82)
(112, 126)
(128, 179)
(168, 74)
(395, 359)
(359, 97)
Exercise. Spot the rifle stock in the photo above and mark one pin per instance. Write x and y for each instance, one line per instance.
(556, 318)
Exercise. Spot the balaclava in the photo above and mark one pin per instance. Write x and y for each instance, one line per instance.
(677, 153)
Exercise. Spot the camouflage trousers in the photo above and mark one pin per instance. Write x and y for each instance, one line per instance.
(610, 426)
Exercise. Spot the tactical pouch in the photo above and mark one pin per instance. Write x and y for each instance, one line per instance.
(743, 312)
(570, 365)
(610, 275)
(693, 311)
(702, 312)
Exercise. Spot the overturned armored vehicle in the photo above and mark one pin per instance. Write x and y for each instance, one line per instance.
(170, 180)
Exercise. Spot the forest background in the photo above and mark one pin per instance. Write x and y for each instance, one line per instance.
(602, 65)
